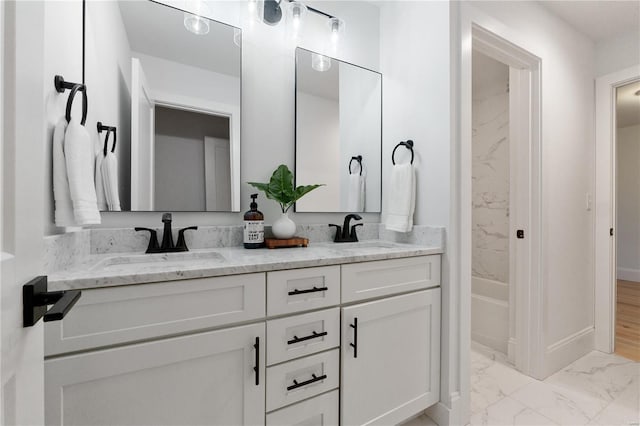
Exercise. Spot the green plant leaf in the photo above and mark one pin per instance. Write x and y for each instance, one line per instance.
(280, 188)
(304, 189)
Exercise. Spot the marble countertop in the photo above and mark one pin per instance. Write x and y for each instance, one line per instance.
(108, 270)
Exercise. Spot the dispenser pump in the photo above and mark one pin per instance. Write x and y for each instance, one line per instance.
(254, 205)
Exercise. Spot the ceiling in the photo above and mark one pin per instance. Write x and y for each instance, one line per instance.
(628, 105)
(598, 19)
(158, 30)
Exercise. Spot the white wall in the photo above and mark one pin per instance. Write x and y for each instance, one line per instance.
(267, 93)
(617, 53)
(414, 53)
(567, 70)
(490, 174)
(319, 158)
(628, 202)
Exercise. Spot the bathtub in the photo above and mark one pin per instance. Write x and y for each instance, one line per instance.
(490, 313)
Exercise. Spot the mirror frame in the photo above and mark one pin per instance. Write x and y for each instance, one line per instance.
(295, 127)
(239, 183)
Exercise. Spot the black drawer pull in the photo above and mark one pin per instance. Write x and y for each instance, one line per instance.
(256, 346)
(314, 379)
(310, 290)
(297, 339)
(354, 345)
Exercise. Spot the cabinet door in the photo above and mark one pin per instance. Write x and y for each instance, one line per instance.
(205, 378)
(390, 358)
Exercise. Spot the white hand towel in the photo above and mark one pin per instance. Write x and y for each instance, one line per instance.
(110, 181)
(102, 201)
(402, 198)
(62, 197)
(78, 152)
(356, 191)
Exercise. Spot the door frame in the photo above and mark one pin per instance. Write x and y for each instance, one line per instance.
(232, 112)
(605, 204)
(501, 43)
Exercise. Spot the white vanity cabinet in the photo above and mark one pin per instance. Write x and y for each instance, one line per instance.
(391, 345)
(201, 379)
(390, 358)
(270, 348)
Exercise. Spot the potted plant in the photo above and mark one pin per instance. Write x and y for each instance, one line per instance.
(281, 189)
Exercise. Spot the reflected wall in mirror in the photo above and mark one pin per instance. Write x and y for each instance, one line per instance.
(338, 134)
(171, 84)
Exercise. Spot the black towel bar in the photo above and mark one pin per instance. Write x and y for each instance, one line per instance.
(408, 144)
(61, 86)
(109, 129)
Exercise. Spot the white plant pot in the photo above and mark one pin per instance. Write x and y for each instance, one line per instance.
(283, 227)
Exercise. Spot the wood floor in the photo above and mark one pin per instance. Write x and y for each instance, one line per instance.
(628, 320)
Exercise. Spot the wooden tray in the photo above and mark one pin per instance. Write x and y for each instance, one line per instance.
(290, 242)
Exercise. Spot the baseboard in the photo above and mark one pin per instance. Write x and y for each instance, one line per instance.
(569, 349)
(511, 350)
(628, 274)
(445, 416)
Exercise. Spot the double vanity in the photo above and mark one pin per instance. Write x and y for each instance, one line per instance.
(330, 334)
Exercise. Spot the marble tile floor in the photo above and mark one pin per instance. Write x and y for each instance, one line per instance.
(598, 389)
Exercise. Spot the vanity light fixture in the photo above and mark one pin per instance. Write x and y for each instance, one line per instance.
(320, 62)
(196, 22)
(270, 12)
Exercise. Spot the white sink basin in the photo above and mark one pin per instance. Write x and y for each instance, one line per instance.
(365, 247)
(159, 260)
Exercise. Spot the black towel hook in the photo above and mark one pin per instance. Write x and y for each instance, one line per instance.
(109, 129)
(61, 86)
(408, 144)
(359, 160)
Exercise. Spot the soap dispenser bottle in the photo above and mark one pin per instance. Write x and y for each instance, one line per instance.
(253, 226)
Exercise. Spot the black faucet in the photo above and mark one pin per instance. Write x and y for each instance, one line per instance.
(167, 238)
(344, 235)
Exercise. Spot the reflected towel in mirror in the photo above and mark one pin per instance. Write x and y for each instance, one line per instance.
(356, 192)
(110, 181)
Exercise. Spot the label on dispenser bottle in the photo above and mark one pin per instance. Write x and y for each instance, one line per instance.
(254, 231)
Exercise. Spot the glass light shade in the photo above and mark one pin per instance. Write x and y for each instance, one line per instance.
(336, 28)
(296, 14)
(320, 62)
(196, 24)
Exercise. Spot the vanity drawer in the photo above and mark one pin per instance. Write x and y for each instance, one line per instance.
(305, 289)
(301, 335)
(368, 280)
(108, 316)
(319, 411)
(281, 388)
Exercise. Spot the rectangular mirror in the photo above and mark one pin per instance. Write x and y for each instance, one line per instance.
(170, 82)
(338, 134)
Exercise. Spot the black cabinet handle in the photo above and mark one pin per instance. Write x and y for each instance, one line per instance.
(297, 339)
(310, 290)
(313, 379)
(354, 345)
(256, 369)
(36, 298)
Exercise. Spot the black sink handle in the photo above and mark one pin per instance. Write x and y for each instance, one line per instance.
(153, 246)
(182, 245)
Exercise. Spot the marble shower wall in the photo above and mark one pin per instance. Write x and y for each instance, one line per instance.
(490, 152)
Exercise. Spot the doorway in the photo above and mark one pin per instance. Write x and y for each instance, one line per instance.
(491, 227)
(627, 214)
(616, 236)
